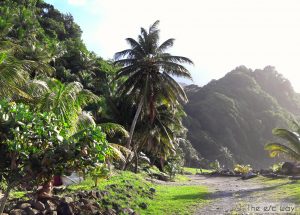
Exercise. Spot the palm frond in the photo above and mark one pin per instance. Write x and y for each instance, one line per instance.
(276, 148)
(111, 129)
(291, 137)
(120, 152)
(85, 120)
(165, 45)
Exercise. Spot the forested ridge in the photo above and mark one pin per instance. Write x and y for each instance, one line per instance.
(232, 118)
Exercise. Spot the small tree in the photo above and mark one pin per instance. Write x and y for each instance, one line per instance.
(34, 147)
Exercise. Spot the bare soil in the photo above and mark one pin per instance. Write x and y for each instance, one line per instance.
(232, 195)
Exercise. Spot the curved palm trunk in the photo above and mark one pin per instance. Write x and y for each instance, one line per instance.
(133, 124)
(132, 128)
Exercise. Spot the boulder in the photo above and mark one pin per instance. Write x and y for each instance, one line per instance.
(143, 205)
(48, 212)
(24, 205)
(31, 211)
(110, 211)
(289, 168)
(64, 209)
(249, 175)
(152, 190)
(50, 205)
(94, 194)
(127, 211)
(67, 199)
(38, 205)
(17, 212)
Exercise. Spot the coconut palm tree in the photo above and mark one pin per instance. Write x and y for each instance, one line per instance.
(149, 70)
(161, 138)
(291, 147)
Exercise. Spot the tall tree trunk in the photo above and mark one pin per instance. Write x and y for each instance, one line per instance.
(133, 124)
(152, 109)
(162, 163)
(4, 199)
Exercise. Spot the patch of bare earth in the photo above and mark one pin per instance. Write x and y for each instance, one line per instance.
(232, 195)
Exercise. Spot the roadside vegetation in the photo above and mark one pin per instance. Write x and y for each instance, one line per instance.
(64, 109)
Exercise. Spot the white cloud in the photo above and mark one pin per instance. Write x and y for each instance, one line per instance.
(77, 2)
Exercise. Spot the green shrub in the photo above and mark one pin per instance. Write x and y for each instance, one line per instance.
(34, 147)
(242, 169)
(215, 166)
(277, 167)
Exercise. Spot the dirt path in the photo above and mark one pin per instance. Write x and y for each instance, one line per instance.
(231, 195)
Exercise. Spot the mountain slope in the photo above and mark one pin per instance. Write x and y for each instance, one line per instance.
(231, 119)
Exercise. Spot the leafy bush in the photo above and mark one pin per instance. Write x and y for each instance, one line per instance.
(173, 166)
(276, 167)
(215, 165)
(242, 169)
(35, 146)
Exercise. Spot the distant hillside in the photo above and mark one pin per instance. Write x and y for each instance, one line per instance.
(231, 119)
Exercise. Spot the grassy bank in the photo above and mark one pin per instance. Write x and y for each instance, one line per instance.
(131, 190)
(177, 200)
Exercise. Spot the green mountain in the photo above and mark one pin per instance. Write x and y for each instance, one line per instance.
(232, 118)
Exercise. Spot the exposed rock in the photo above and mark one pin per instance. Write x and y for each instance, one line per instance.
(50, 205)
(38, 205)
(67, 199)
(64, 209)
(289, 168)
(110, 211)
(105, 202)
(116, 206)
(48, 212)
(127, 211)
(98, 195)
(152, 190)
(31, 211)
(17, 212)
(112, 186)
(265, 171)
(249, 175)
(129, 186)
(93, 193)
(160, 176)
(85, 201)
(143, 205)
(90, 208)
(82, 194)
(294, 177)
(24, 205)
(273, 175)
(104, 193)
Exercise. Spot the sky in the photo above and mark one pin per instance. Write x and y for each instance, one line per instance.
(218, 35)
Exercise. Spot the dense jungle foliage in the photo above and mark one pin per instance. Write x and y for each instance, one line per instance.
(232, 118)
(45, 64)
